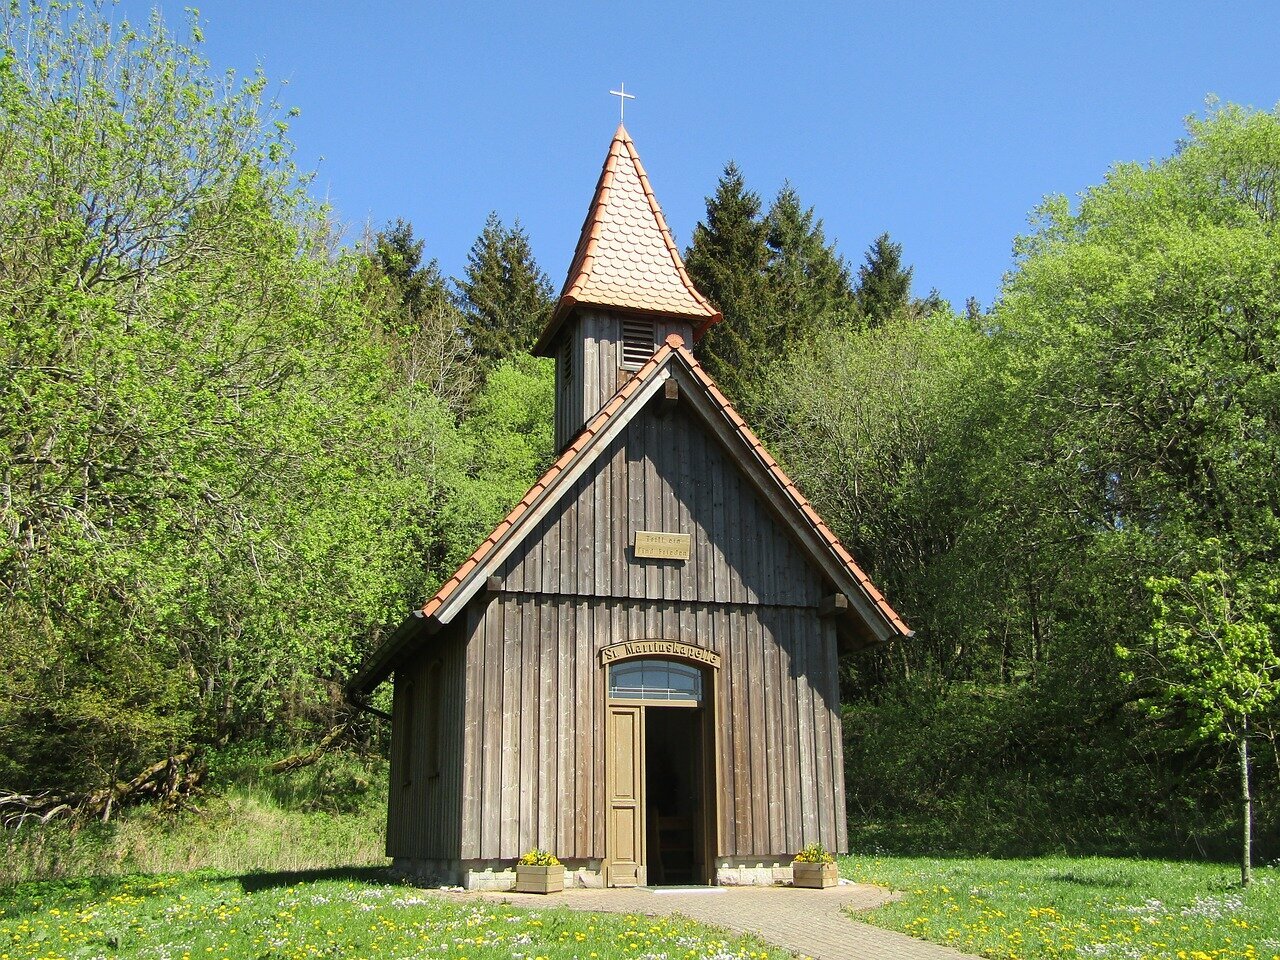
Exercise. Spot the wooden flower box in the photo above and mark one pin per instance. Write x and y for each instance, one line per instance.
(817, 876)
(531, 879)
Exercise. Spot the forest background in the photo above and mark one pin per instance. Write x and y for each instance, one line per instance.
(238, 443)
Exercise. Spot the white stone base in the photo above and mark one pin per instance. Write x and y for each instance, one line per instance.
(753, 871)
(500, 875)
(490, 875)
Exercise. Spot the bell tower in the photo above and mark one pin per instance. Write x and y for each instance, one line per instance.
(626, 292)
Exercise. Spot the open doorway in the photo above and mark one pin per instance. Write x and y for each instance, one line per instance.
(659, 774)
(673, 794)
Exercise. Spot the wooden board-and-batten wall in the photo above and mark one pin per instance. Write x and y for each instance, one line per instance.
(521, 718)
(591, 362)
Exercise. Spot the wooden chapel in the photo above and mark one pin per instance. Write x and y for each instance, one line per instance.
(637, 669)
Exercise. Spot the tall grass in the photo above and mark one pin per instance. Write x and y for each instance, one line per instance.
(328, 815)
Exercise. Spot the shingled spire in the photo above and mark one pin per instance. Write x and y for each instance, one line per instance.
(626, 259)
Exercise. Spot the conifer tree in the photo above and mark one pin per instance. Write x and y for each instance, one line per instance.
(884, 287)
(726, 262)
(775, 278)
(505, 298)
(419, 286)
(808, 281)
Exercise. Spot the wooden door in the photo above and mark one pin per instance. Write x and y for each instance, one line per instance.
(707, 796)
(624, 788)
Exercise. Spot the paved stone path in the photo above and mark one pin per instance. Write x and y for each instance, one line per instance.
(812, 923)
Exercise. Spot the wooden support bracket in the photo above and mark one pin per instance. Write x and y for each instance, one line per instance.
(830, 606)
(669, 398)
(493, 585)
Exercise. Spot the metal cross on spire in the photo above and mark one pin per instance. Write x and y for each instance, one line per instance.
(623, 97)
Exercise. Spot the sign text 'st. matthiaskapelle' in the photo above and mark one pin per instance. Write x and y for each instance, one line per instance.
(658, 648)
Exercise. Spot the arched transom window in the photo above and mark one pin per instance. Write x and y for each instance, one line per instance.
(655, 680)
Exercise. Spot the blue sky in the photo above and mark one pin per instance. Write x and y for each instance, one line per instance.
(943, 124)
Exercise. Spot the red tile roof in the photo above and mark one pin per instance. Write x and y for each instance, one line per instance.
(675, 345)
(381, 662)
(793, 492)
(626, 258)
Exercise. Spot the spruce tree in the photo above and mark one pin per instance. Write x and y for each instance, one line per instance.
(774, 277)
(884, 287)
(419, 287)
(726, 262)
(505, 299)
(807, 280)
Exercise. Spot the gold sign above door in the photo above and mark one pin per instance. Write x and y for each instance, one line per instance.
(658, 648)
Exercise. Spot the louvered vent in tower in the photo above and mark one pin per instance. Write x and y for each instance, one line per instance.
(566, 362)
(637, 343)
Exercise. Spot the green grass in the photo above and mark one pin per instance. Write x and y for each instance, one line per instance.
(348, 914)
(1078, 907)
(253, 838)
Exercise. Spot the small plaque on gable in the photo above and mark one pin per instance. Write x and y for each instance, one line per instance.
(662, 546)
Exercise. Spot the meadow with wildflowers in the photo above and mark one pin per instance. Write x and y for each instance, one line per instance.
(1095, 907)
(349, 914)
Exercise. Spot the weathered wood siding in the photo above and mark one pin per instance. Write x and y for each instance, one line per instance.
(424, 812)
(534, 725)
(665, 474)
(522, 763)
(596, 355)
(534, 719)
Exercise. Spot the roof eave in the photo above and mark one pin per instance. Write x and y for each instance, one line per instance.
(381, 664)
(542, 348)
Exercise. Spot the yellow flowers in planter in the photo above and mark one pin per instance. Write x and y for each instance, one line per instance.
(537, 857)
(538, 871)
(814, 853)
(814, 867)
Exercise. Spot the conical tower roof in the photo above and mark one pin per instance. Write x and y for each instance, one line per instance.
(626, 259)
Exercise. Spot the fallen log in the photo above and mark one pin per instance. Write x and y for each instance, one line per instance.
(169, 781)
(298, 760)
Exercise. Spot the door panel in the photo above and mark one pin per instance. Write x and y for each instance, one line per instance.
(707, 792)
(624, 785)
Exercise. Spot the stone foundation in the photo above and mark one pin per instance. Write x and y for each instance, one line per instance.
(500, 875)
(491, 875)
(753, 871)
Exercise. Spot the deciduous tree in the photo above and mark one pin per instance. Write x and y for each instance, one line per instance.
(1210, 662)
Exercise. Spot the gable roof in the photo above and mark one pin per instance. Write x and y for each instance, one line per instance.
(673, 359)
(626, 259)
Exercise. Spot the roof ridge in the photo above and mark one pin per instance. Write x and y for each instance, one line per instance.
(626, 258)
(676, 260)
